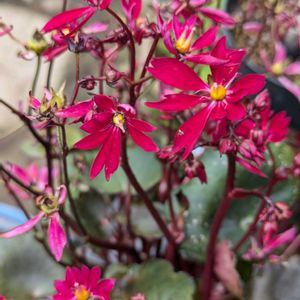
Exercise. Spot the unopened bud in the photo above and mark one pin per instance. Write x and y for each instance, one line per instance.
(262, 100)
(112, 76)
(227, 146)
(258, 137)
(37, 44)
(89, 83)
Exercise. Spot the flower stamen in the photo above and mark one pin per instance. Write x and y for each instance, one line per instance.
(183, 44)
(217, 92)
(82, 293)
(119, 120)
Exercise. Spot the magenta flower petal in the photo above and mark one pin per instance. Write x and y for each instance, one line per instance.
(281, 239)
(142, 125)
(61, 194)
(219, 112)
(189, 132)
(236, 95)
(104, 103)
(235, 111)
(95, 27)
(84, 279)
(19, 172)
(66, 17)
(92, 141)
(278, 127)
(112, 161)
(99, 122)
(105, 287)
(95, 274)
(168, 42)
(176, 102)
(250, 167)
(103, 153)
(252, 27)
(34, 102)
(223, 73)
(52, 52)
(292, 69)
(218, 15)
(205, 59)
(56, 236)
(22, 228)
(104, 4)
(290, 86)
(132, 8)
(206, 39)
(280, 53)
(176, 74)
(252, 83)
(77, 110)
(142, 140)
(177, 27)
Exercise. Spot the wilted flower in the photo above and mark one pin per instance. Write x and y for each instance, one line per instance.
(31, 176)
(48, 204)
(78, 15)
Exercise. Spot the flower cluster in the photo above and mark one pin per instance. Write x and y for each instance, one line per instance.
(169, 97)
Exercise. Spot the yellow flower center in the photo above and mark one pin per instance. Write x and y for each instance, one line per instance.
(47, 204)
(66, 31)
(183, 44)
(277, 68)
(119, 120)
(217, 92)
(82, 293)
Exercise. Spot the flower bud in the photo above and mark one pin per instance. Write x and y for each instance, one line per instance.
(247, 149)
(258, 137)
(281, 173)
(112, 76)
(227, 146)
(37, 44)
(262, 100)
(89, 83)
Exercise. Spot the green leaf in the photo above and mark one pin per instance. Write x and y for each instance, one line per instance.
(204, 200)
(92, 207)
(155, 279)
(143, 224)
(26, 271)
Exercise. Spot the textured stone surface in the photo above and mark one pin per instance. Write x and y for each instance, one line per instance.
(279, 282)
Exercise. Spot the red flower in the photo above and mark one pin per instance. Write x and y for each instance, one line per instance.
(272, 126)
(83, 284)
(77, 15)
(132, 8)
(48, 206)
(221, 98)
(182, 42)
(197, 6)
(61, 37)
(105, 131)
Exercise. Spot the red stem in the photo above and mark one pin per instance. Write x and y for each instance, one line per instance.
(155, 214)
(207, 279)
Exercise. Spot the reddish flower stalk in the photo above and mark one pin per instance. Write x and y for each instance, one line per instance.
(207, 277)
